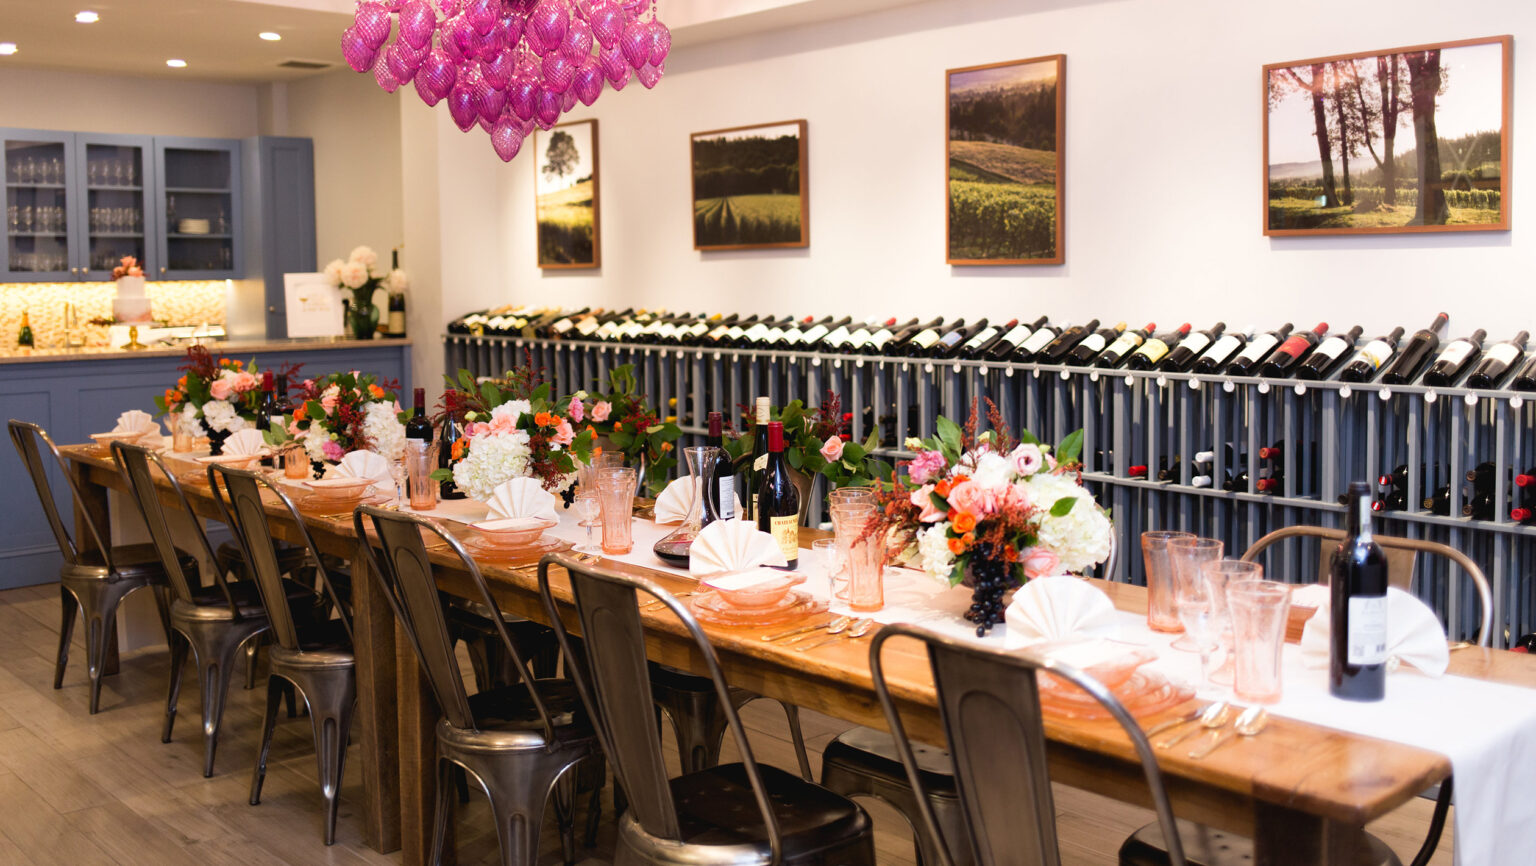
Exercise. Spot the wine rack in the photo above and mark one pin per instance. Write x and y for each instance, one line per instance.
(1135, 424)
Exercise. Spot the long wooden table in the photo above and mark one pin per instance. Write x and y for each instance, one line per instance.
(1303, 792)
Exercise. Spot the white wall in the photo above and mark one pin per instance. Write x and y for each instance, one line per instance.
(1163, 184)
(88, 102)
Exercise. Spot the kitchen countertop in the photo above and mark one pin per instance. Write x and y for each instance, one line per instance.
(231, 348)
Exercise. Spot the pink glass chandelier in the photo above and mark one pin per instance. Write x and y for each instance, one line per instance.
(508, 65)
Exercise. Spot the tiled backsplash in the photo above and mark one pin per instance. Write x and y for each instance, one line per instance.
(191, 302)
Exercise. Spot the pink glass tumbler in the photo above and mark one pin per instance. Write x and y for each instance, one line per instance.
(866, 565)
(1162, 592)
(616, 494)
(1259, 611)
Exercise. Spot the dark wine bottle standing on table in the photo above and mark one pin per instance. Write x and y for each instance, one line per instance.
(1411, 358)
(1357, 657)
(1156, 348)
(1259, 347)
(1127, 343)
(1367, 362)
(445, 456)
(754, 469)
(778, 501)
(720, 499)
(1498, 361)
(1093, 345)
(283, 404)
(268, 406)
(1454, 359)
(1184, 354)
(420, 426)
(1013, 339)
(1326, 357)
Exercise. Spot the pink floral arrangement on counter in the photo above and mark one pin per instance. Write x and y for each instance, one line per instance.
(128, 267)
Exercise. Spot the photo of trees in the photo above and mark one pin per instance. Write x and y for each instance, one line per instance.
(749, 187)
(1408, 140)
(566, 186)
(1004, 172)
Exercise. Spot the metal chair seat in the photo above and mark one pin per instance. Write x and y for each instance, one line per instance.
(470, 621)
(716, 808)
(210, 603)
(863, 762)
(1206, 846)
(509, 709)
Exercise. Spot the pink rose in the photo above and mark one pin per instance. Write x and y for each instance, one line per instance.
(925, 466)
(601, 411)
(923, 500)
(576, 410)
(245, 382)
(1026, 459)
(978, 500)
(332, 450)
(1039, 562)
(221, 389)
(833, 449)
(564, 435)
(328, 402)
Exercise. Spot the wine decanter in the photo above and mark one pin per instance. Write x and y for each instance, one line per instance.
(673, 549)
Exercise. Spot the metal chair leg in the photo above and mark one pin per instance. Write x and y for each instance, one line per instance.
(518, 791)
(67, 607)
(216, 644)
(268, 723)
(98, 609)
(442, 815)
(179, 647)
(252, 647)
(798, 737)
(331, 696)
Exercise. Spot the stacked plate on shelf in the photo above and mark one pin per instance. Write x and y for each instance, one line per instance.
(192, 227)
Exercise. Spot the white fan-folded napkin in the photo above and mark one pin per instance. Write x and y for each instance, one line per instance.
(1057, 608)
(136, 421)
(522, 497)
(730, 546)
(245, 442)
(362, 464)
(1414, 635)
(673, 503)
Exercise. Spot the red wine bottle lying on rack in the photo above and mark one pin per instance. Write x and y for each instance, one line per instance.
(1367, 362)
(1014, 338)
(1093, 345)
(860, 339)
(778, 501)
(897, 345)
(1497, 362)
(1414, 354)
(1155, 349)
(1357, 577)
(1183, 355)
(1454, 360)
(982, 341)
(1123, 346)
(1290, 353)
(1056, 350)
(1220, 352)
(1326, 357)
(880, 337)
(949, 344)
(1259, 347)
(1039, 339)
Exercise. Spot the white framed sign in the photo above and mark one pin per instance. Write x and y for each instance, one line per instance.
(313, 306)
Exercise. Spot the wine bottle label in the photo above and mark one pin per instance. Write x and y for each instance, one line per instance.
(881, 337)
(1016, 336)
(815, 333)
(950, 338)
(1259, 347)
(586, 327)
(793, 336)
(858, 339)
(1367, 644)
(760, 463)
(773, 335)
(985, 335)
(756, 332)
(1196, 343)
(1376, 353)
(1223, 347)
(926, 339)
(667, 331)
(1331, 348)
(1038, 340)
(563, 325)
(1153, 350)
(719, 331)
(1456, 353)
(1506, 352)
(1092, 344)
(786, 531)
(1125, 343)
(1294, 346)
(734, 332)
(699, 329)
(727, 485)
(836, 338)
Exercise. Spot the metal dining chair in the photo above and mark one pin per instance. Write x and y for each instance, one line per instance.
(738, 814)
(314, 657)
(517, 741)
(211, 621)
(95, 580)
(989, 702)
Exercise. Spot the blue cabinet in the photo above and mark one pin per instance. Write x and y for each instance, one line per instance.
(197, 193)
(115, 205)
(40, 213)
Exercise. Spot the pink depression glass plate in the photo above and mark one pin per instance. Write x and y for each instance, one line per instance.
(498, 554)
(511, 532)
(1143, 692)
(709, 607)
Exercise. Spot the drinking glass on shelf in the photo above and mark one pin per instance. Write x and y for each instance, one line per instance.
(1162, 594)
(29, 171)
(1186, 556)
(13, 216)
(55, 170)
(117, 172)
(1259, 609)
(616, 493)
(588, 508)
(133, 172)
(93, 172)
(26, 218)
(834, 564)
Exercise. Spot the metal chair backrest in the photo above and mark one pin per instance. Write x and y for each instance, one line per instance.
(133, 463)
(246, 514)
(1401, 556)
(405, 573)
(615, 685)
(989, 702)
(25, 435)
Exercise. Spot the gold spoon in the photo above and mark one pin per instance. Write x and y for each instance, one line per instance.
(1249, 724)
(836, 626)
(859, 629)
(805, 629)
(1169, 725)
(1214, 717)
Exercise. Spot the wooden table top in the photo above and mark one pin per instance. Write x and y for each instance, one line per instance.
(1330, 774)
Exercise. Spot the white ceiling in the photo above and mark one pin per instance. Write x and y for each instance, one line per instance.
(218, 38)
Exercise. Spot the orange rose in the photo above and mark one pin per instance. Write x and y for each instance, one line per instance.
(300, 414)
(964, 522)
(666, 446)
(960, 479)
(544, 419)
(181, 384)
(1010, 554)
(376, 391)
(618, 427)
(956, 546)
(458, 449)
(942, 487)
(597, 451)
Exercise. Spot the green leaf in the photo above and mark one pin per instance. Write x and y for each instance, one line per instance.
(1070, 448)
(854, 452)
(873, 441)
(1063, 506)
(1027, 438)
(795, 459)
(441, 475)
(949, 436)
(490, 394)
(939, 502)
(541, 394)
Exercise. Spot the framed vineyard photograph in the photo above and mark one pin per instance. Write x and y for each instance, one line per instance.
(750, 189)
(1004, 124)
(565, 184)
(1406, 140)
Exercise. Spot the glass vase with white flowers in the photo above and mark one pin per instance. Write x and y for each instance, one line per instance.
(363, 275)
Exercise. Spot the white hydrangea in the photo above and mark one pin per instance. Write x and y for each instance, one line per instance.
(491, 460)
(512, 410)
(314, 443)
(933, 549)
(190, 423)
(1082, 537)
(221, 417)
(385, 433)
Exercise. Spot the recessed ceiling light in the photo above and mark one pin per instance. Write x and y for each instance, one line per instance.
(176, 63)
(7, 48)
(270, 36)
(87, 17)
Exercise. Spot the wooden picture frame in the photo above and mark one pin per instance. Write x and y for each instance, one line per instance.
(1378, 96)
(740, 187)
(1022, 159)
(567, 198)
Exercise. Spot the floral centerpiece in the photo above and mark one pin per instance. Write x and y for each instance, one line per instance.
(513, 428)
(994, 510)
(625, 421)
(214, 397)
(128, 266)
(344, 412)
(817, 441)
(361, 275)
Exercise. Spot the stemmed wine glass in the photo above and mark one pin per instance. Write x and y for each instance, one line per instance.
(1198, 616)
(588, 507)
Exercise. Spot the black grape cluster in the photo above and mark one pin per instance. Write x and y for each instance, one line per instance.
(992, 576)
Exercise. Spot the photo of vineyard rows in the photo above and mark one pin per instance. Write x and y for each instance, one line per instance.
(1405, 141)
(748, 187)
(1004, 189)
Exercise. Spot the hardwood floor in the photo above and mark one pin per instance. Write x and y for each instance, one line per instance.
(84, 790)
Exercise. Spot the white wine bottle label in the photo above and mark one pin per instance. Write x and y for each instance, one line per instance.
(1259, 347)
(774, 335)
(756, 332)
(719, 331)
(1223, 347)
(858, 339)
(1456, 352)
(587, 326)
(1196, 342)
(1506, 352)
(793, 336)
(734, 332)
(1038, 340)
(1093, 343)
(814, 334)
(985, 335)
(667, 331)
(881, 337)
(563, 325)
(1331, 348)
(836, 338)
(1367, 644)
(1153, 350)
(760, 463)
(926, 339)
(1376, 352)
(786, 531)
(1016, 336)
(727, 486)
(1125, 343)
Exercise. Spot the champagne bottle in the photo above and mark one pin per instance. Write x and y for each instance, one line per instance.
(1093, 345)
(1259, 347)
(1412, 356)
(1183, 355)
(778, 502)
(1357, 658)
(1122, 347)
(24, 337)
(1290, 353)
(1325, 358)
(1371, 356)
(1454, 359)
(1497, 362)
(1014, 338)
(754, 470)
(1156, 348)
(720, 499)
